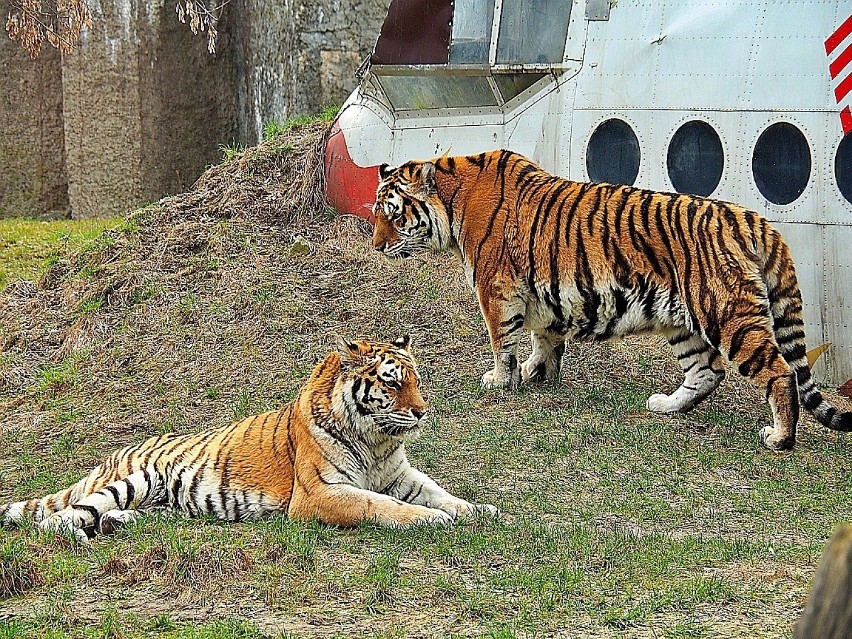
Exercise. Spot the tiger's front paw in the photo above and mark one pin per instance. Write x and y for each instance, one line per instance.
(491, 379)
(530, 372)
(481, 510)
(66, 522)
(461, 509)
(435, 517)
(770, 438)
(536, 371)
(112, 520)
(500, 379)
(660, 403)
(412, 515)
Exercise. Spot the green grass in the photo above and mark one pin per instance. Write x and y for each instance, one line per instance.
(114, 625)
(615, 521)
(597, 532)
(58, 376)
(231, 151)
(27, 247)
(274, 129)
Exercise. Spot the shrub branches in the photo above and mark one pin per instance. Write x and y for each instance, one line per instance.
(31, 22)
(201, 18)
(59, 22)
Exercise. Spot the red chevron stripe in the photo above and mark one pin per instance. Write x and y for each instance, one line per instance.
(843, 88)
(838, 36)
(846, 120)
(840, 61)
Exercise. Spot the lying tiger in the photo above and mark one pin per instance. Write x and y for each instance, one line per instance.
(335, 453)
(567, 259)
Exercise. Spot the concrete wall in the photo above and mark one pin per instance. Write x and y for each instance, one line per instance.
(302, 56)
(33, 181)
(141, 108)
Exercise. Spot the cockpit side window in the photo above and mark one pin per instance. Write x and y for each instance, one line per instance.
(471, 37)
(533, 32)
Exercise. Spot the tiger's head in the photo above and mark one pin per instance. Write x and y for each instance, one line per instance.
(410, 215)
(380, 381)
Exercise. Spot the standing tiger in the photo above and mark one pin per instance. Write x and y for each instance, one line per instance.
(567, 259)
(335, 453)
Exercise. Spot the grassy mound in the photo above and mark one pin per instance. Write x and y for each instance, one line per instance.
(215, 304)
(170, 252)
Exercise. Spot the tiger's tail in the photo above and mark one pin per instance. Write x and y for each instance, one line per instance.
(785, 303)
(36, 509)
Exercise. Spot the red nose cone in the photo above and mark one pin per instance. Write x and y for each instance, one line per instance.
(350, 188)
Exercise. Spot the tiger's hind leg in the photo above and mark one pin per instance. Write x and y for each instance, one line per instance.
(703, 371)
(83, 517)
(114, 519)
(545, 361)
(750, 343)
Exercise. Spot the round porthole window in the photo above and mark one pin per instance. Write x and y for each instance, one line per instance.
(613, 153)
(695, 159)
(781, 163)
(843, 167)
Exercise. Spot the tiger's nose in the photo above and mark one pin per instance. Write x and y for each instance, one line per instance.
(379, 245)
(418, 413)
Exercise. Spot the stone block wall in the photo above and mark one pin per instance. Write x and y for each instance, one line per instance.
(141, 108)
(33, 180)
(302, 56)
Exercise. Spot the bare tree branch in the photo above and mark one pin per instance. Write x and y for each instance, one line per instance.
(59, 22)
(31, 22)
(201, 18)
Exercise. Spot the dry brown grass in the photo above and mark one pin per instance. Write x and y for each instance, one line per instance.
(18, 575)
(201, 568)
(181, 245)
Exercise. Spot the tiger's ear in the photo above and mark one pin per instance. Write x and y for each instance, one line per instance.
(385, 171)
(427, 174)
(402, 342)
(346, 348)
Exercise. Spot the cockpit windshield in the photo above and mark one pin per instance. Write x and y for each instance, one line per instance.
(440, 54)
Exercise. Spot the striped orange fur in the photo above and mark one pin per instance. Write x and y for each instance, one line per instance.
(335, 453)
(566, 259)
